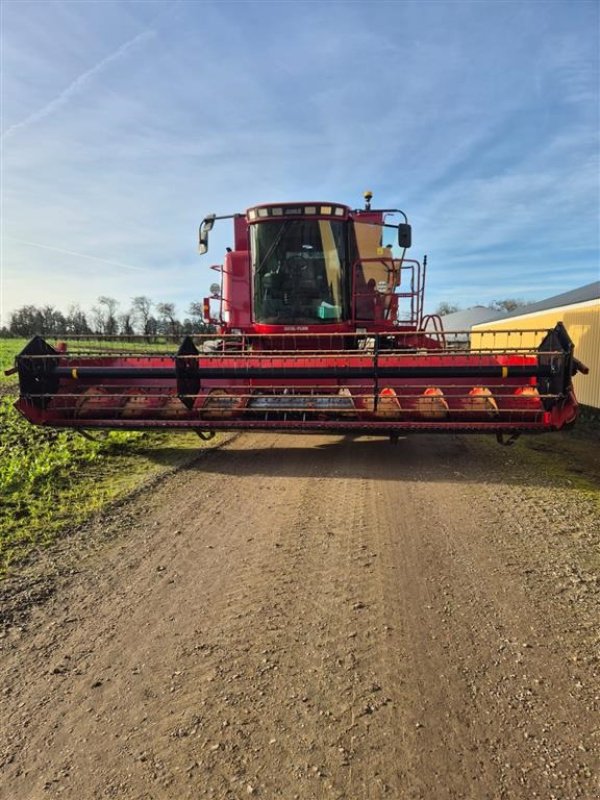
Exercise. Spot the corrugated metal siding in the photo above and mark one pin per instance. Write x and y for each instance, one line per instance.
(583, 326)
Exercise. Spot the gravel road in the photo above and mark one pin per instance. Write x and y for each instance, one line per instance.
(316, 617)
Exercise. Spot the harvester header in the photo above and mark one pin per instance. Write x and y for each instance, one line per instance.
(319, 325)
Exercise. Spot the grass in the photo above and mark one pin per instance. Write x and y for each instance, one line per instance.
(570, 456)
(8, 350)
(51, 479)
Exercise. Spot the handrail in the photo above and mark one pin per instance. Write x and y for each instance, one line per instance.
(438, 327)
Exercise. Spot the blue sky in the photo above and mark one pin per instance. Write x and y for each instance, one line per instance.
(124, 123)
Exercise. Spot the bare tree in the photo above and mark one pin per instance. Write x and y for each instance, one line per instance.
(196, 312)
(151, 327)
(98, 319)
(167, 315)
(446, 308)
(142, 307)
(110, 318)
(196, 309)
(125, 320)
(507, 305)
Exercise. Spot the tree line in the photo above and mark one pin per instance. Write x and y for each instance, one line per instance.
(142, 317)
(106, 318)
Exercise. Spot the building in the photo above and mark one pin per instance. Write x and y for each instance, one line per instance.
(458, 324)
(578, 310)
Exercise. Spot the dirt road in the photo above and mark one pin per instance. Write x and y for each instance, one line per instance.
(316, 617)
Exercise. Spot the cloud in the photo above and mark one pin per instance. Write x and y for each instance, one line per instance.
(77, 85)
(76, 254)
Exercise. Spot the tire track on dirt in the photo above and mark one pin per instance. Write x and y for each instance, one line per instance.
(311, 617)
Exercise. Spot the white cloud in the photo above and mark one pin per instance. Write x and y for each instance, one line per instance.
(77, 86)
(65, 252)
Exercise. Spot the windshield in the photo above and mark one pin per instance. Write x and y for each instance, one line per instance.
(298, 271)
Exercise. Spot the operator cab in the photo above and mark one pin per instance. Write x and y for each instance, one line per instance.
(311, 265)
(299, 258)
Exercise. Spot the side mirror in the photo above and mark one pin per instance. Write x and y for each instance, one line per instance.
(404, 235)
(205, 227)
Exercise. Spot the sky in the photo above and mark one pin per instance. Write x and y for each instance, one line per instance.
(124, 123)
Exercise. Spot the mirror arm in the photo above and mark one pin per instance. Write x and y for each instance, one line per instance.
(206, 226)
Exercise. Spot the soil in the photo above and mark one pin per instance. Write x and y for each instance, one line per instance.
(315, 617)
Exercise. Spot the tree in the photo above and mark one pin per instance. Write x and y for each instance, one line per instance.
(142, 306)
(151, 327)
(446, 308)
(76, 321)
(196, 309)
(53, 320)
(31, 320)
(167, 316)
(110, 317)
(98, 319)
(507, 305)
(125, 320)
(196, 312)
(26, 321)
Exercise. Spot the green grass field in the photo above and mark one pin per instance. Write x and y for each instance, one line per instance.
(51, 479)
(8, 350)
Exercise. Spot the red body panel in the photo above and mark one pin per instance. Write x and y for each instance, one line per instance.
(237, 300)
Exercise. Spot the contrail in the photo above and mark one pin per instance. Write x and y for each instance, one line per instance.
(77, 85)
(74, 253)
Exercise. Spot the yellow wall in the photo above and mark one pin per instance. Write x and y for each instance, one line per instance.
(582, 322)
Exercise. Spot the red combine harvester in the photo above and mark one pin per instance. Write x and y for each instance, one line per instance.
(320, 328)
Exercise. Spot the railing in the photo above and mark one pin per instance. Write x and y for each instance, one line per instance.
(384, 301)
(300, 343)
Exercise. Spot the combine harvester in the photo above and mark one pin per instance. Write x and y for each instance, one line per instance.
(320, 328)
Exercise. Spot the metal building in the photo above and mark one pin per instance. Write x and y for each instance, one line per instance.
(458, 324)
(579, 311)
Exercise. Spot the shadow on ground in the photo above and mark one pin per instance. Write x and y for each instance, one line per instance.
(551, 459)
